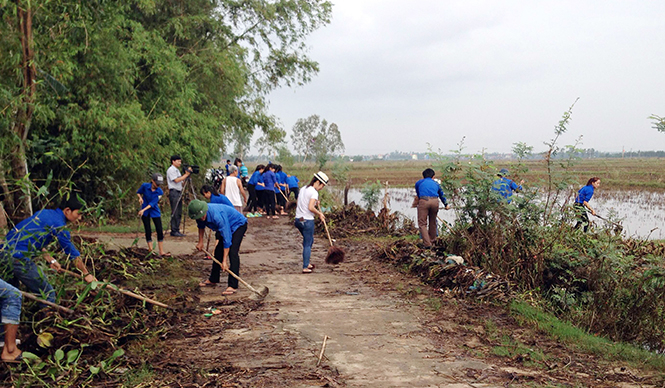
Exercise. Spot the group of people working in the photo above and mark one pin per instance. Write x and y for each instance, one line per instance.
(268, 187)
(429, 192)
(29, 239)
(230, 225)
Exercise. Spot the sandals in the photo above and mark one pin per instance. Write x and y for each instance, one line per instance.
(307, 270)
(229, 291)
(16, 360)
(207, 283)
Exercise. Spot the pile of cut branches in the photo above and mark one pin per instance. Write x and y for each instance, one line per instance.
(435, 267)
(352, 220)
(90, 345)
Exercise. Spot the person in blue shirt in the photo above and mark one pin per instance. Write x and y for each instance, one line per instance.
(504, 186)
(149, 195)
(428, 193)
(211, 194)
(270, 185)
(281, 189)
(582, 203)
(29, 239)
(228, 167)
(254, 202)
(292, 182)
(230, 226)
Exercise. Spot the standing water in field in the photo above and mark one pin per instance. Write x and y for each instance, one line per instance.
(642, 214)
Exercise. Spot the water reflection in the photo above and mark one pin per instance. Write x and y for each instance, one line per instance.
(640, 212)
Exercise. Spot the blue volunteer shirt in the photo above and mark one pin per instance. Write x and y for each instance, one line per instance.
(150, 198)
(221, 199)
(426, 187)
(292, 181)
(254, 178)
(269, 179)
(585, 194)
(505, 187)
(281, 180)
(222, 219)
(27, 239)
(259, 179)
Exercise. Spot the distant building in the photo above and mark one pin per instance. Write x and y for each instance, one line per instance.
(414, 157)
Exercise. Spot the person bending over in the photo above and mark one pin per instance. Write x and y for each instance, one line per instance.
(29, 239)
(230, 226)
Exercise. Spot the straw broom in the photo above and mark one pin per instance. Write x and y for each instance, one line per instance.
(335, 254)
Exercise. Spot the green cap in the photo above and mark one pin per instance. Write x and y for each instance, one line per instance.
(197, 209)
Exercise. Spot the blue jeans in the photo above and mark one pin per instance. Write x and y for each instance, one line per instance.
(10, 303)
(27, 272)
(306, 228)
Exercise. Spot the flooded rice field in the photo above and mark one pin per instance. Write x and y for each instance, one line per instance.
(641, 213)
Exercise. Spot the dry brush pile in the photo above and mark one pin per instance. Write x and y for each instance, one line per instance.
(104, 338)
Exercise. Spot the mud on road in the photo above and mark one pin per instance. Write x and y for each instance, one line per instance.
(385, 328)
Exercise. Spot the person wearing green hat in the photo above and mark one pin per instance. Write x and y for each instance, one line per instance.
(230, 227)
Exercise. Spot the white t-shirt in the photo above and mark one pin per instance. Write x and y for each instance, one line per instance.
(232, 191)
(171, 174)
(306, 194)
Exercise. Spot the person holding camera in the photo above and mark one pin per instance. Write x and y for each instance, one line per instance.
(174, 181)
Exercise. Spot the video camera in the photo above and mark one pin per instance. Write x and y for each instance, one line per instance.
(194, 168)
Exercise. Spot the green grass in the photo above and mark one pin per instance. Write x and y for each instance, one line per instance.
(578, 338)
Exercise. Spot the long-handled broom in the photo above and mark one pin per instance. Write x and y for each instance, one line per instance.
(335, 254)
(261, 293)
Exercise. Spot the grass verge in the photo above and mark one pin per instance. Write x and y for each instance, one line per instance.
(603, 348)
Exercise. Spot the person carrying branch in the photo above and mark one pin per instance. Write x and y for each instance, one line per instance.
(428, 193)
(149, 195)
(582, 203)
(230, 226)
(29, 239)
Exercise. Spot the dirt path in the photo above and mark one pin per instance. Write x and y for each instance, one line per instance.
(385, 328)
(375, 339)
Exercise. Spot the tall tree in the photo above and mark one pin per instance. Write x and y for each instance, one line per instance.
(314, 136)
(120, 86)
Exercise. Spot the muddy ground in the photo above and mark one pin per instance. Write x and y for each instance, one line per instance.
(384, 328)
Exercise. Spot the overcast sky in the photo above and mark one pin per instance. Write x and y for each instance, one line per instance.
(395, 75)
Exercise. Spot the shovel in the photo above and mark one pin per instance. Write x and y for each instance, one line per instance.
(260, 294)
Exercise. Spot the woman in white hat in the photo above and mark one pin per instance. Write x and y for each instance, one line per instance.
(307, 208)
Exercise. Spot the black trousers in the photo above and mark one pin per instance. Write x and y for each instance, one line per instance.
(158, 228)
(253, 202)
(259, 199)
(295, 191)
(234, 256)
(176, 210)
(269, 202)
(583, 217)
(281, 200)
